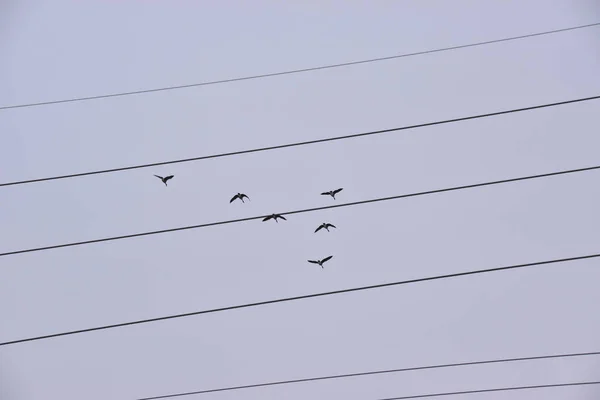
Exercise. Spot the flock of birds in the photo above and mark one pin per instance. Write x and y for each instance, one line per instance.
(242, 196)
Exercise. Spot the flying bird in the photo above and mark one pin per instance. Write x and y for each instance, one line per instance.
(325, 225)
(332, 193)
(165, 179)
(239, 196)
(320, 262)
(274, 216)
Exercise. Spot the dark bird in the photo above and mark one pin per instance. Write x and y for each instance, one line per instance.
(165, 179)
(239, 196)
(325, 225)
(320, 262)
(332, 193)
(274, 216)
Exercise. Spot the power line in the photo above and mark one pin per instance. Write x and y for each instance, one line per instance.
(367, 373)
(294, 71)
(302, 297)
(503, 389)
(296, 144)
(354, 203)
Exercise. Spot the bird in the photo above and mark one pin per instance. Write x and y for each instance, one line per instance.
(239, 196)
(325, 225)
(320, 262)
(274, 216)
(332, 193)
(165, 179)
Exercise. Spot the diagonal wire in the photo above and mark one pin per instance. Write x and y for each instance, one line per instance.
(302, 297)
(294, 71)
(354, 203)
(296, 144)
(503, 389)
(368, 373)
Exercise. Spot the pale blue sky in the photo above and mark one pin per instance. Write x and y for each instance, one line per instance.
(60, 49)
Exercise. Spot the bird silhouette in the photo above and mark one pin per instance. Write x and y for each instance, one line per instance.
(239, 196)
(332, 193)
(320, 262)
(274, 216)
(165, 179)
(325, 225)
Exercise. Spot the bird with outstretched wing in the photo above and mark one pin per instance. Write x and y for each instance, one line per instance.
(240, 196)
(332, 193)
(165, 179)
(274, 216)
(320, 262)
(325, 225)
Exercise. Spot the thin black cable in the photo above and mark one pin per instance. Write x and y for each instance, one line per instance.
(308, 142)
(302, 297)
(367, 373)
(295, 71)
(503, 389)
(354, 203)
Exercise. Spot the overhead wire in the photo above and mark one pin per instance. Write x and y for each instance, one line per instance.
(313, 209)
(370, 373)
(294, 71)
(296, 144)
(301, 297)
(502, 389)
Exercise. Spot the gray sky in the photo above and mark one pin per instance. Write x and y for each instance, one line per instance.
(60, 49)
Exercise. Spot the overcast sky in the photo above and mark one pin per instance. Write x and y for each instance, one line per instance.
(62, 49)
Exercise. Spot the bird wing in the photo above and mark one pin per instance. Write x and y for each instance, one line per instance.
(326, 259)
(331, 225)
(319, 228)
(326, 193)
(233, 198)
(169, 177)
(314, 262)
(282, 217)
(338, 190)
(159, 177)
(267, 218)
(243, 195)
